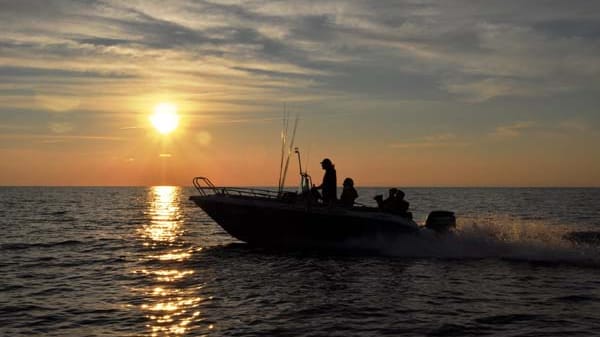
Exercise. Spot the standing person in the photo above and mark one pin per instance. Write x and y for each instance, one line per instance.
(329, 184)
(349, 193)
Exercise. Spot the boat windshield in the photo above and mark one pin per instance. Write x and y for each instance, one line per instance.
(305, 183)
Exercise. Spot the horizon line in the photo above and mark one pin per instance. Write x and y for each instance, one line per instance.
(294, 187)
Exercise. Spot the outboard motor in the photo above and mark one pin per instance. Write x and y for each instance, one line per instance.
(441, 221)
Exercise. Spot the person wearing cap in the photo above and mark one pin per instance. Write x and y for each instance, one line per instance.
(329, 184)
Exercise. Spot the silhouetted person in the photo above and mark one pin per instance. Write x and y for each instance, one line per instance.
(394, 203)
(400, 205)
(349, 193)
(329, 184)
(387, 204)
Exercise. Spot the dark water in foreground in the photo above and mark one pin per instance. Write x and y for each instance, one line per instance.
(147, 262)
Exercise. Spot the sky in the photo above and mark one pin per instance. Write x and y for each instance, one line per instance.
(396, 93)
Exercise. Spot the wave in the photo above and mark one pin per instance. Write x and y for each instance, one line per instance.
(583, 237)
(22, 245)
(577, 298)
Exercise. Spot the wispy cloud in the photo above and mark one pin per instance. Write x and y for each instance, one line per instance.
(54, 137)
(573, 126)
(555, 129)
(12, 127)
(203, 138)
(60, 127)
(16, 71)
(511, 131)
(432, 141)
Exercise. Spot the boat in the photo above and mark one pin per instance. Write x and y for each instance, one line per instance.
(296, 219)
(292, 220)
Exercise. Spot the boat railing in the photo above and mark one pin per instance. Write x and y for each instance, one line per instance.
(206, 187)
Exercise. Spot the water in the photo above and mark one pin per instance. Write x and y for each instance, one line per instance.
(147, 262)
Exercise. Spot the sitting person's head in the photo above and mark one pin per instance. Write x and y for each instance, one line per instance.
(348, 182)
(400, 194)
(393, 191)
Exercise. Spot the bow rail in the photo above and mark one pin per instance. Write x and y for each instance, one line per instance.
(206, 187)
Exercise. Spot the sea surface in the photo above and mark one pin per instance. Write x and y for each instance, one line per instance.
(145, 261)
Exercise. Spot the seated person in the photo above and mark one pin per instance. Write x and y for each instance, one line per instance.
(401, 205)
(349, 193)
(388, 203)
(395, 203)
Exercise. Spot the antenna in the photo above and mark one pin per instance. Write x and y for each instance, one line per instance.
(297, 151)
(289, 154)
(284, 129)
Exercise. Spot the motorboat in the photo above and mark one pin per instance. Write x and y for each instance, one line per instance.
(297, 219)
(272, 218)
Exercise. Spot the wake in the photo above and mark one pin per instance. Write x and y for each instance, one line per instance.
(503, 238)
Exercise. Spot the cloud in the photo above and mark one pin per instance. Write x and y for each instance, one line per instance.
(553, 129)
(16, 71)
(433, 141)
(60, 127)
(107, 42)
(58, 103)
(12, 128)
(203, 138)
(61, 138)
(573, 126)
(485, 89)
(511, 131)
(570, 27)
(384, 50)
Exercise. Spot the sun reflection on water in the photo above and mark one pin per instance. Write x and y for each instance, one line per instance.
(165, 216)
(170, 306)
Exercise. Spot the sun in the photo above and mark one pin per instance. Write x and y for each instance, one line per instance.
(165, 118)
